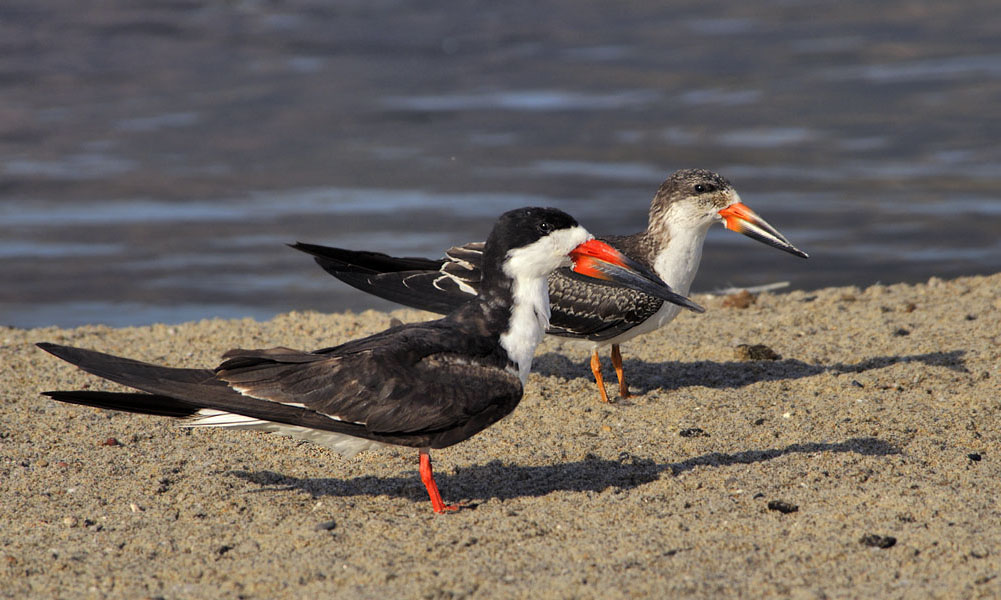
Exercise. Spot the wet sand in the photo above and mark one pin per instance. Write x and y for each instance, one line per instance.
(881, 419)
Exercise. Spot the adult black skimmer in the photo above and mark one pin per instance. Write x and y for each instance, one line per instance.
(685, 206)
(427, 385)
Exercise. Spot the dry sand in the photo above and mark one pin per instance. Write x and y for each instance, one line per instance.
(881, 418)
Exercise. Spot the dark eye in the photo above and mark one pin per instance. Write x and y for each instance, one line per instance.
(545, 228)
(701, 188)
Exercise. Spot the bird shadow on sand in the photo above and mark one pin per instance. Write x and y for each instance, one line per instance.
(675, 375)
(499, 480)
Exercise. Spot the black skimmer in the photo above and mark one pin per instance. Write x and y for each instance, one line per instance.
(425, 385)
(685, 206)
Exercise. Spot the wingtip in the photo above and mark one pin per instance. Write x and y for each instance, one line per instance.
(686, 302)
(313, 250)
(50, 347)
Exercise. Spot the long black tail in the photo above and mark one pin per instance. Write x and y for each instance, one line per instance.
(410, 281)
(153, 379)
(135, 402)
(170, 392)
(174, 392)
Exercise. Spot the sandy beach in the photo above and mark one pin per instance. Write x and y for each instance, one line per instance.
(862, 463)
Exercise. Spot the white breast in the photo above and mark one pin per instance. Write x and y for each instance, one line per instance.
(676, 264)
(679, 259)
(529, 321)
(529, 268)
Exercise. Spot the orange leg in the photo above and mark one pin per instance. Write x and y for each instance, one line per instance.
(427, 476)
(596, 369)
(617, 363)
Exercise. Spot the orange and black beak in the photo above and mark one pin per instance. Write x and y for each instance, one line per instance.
(740, 218)
(598, 260)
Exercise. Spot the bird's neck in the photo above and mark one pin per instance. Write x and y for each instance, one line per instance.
(527, 322)
(677, 260)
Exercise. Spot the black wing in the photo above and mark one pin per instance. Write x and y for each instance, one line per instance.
(581, 307)
(417, 385)
(437, 286)
(419, 377)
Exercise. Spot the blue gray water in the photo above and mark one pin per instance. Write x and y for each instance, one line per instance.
(155, 157)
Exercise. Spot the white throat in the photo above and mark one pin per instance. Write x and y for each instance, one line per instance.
(529, 268)
(678, 260)
(529, 321)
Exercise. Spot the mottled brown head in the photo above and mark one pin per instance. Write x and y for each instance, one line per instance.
(702, 193)
(691, 200)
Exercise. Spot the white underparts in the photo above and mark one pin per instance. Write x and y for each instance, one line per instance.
(678, 260)
(529, 321)
(529, 267)
(343, 444)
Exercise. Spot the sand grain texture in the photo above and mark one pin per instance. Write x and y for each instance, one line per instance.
(880, 418)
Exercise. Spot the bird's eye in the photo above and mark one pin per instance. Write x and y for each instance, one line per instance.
(701, 188)
(545, 228)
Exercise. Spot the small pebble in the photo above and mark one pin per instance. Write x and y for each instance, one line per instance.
(693, 432)
(878, 541)
(756, 352)
(111, 442)
(783, 507)
(326, 525)
(741, 299)
(901, 332)
(974, 456)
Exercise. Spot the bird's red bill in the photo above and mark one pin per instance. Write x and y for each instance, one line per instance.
(598, 260)
(740, 218)
(737, 215)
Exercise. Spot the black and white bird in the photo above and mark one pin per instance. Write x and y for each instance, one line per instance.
(685, 206)
(425, 385)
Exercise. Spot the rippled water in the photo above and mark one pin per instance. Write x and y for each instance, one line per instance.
(155, 157)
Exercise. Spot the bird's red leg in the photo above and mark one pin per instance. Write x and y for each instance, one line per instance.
(596, 369)
(427, 476)
(617, 363)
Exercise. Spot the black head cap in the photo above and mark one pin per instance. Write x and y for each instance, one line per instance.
(522, 227)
